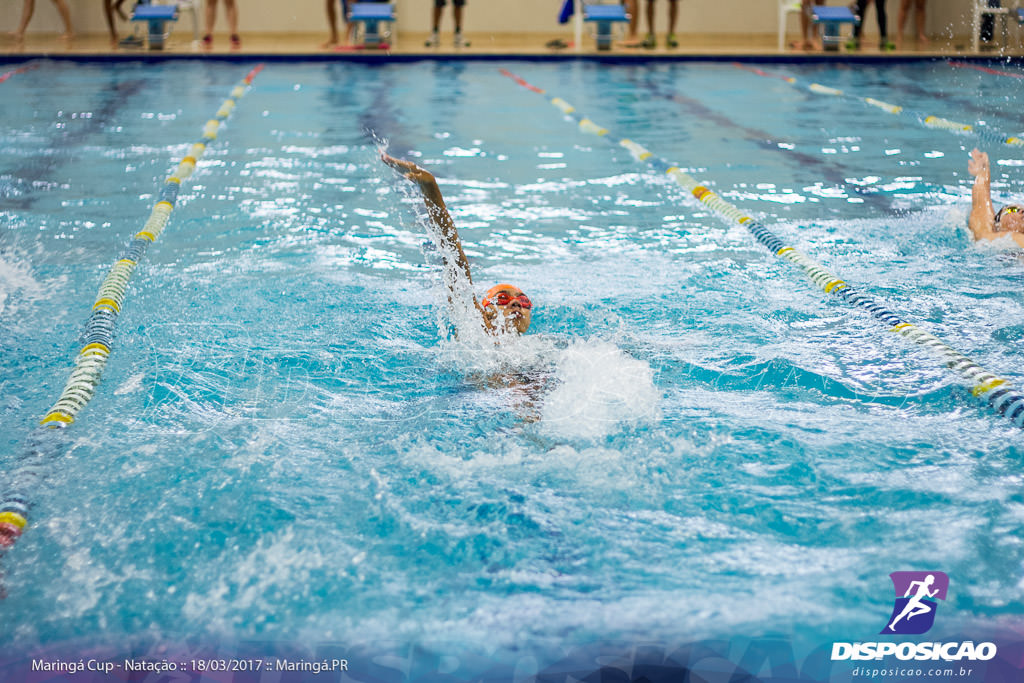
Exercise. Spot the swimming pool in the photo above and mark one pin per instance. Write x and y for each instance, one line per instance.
(693, 443)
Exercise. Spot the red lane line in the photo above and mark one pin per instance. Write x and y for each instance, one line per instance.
(520, 81)
(252, 74)
(13, 72)
(997, 72)
(759, 72)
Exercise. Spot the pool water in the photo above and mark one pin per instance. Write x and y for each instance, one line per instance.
(289, 443)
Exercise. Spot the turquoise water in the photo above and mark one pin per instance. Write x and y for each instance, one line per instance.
(693, 441)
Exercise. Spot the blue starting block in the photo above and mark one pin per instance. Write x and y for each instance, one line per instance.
(376, 19)
(156, 17)
(604, 17)
(831, 20)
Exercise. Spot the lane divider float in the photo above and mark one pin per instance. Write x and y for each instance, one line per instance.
(1000, 395)
(832, 172)
(927, 120)
(98, 336)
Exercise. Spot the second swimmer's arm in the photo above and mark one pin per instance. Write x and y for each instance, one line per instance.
(982, 218)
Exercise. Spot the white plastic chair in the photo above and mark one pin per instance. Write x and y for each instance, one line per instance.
(981, 9)
(193, 8)
(786, 7)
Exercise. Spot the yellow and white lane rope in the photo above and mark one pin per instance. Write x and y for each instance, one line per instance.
(98, 337)
(926, 120)
(998, 392)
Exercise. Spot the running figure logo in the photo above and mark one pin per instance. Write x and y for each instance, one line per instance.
(916, 593)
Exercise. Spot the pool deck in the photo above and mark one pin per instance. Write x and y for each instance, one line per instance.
(534, 45)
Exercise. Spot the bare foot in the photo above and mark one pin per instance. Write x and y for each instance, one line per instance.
(333, 42)
(922, 39)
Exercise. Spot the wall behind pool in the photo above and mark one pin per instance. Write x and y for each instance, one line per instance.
(946, 18)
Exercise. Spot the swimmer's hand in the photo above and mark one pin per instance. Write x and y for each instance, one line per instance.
(410, 170)
(978, 165)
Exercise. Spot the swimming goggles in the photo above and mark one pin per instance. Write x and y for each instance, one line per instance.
(504, 299)
(1011, 208)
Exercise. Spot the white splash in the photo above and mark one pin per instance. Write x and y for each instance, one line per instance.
(600, 390)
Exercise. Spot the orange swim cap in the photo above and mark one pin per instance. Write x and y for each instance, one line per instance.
(497, 288)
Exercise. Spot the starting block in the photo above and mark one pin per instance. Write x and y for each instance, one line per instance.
(831, 20)
(376, 19)
(156, 17)
(604, 18)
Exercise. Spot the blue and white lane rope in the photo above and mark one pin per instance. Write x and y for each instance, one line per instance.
(998, 392)
(926, 120)
(98, 337)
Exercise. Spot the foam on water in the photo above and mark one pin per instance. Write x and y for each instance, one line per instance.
(599, 390)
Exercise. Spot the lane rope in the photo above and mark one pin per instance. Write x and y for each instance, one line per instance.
(98, 336)
(830, 172)
(1000, 395)
(926, 120)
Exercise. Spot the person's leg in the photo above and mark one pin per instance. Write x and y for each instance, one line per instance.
(211, 19)
(883, 25)
(673, 16)
(65, 16)
(809, 40)
(988, 23)
(901, 22)
(649, 41)
(27, 8)
(634, 20)
(433, 39)
(108, 14)
(332, 24)
(858, 28)
(457, 6)
(919, 20)
(231, 11)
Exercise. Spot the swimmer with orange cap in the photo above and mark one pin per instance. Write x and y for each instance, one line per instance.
(505, 308)
(984, 221)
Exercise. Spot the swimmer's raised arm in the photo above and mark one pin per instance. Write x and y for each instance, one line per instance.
(505, 307)
(984, 221)
(982, 218)
(436, 209)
